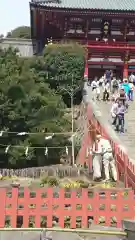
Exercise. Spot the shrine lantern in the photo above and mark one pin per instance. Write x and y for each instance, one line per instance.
(126, 57)
(106, 29)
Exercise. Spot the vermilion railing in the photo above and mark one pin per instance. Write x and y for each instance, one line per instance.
(78, 208)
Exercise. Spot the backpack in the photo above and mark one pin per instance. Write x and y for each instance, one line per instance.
(115, 83)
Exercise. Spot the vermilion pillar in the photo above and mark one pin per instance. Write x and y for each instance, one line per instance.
(86, 66)
(86, 69)
(125, 70)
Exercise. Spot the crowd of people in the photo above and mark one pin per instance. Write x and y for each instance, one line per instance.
(120, 93)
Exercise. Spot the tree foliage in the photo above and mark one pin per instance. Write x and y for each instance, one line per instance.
(27, 104)
(64, 64)
(65, 60)
(20, 32)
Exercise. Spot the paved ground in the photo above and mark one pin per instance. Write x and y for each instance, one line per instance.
(128, 138)
(54, 236)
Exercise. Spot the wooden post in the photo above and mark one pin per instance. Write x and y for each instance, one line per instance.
(42, 14)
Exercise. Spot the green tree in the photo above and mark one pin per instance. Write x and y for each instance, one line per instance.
(64, 66)
(20, 32)
(27, 104)
(64, 61)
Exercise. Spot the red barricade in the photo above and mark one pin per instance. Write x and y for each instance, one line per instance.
(43, 207)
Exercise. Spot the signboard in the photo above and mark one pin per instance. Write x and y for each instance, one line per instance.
(131, 67)
(109, 67)
(95, 66)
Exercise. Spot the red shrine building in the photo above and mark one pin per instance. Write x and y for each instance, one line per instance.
(105, 27)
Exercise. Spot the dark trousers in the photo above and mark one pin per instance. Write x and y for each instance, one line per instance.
(120, 122)
(114, 121)
(105, 96)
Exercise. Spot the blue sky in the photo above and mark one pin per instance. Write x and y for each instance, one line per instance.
(13, 13)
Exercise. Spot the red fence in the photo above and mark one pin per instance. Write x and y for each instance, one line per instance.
(68, 209)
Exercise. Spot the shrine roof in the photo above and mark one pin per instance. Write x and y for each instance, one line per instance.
(114, 5)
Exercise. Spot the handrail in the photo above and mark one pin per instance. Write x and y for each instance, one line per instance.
(89, 231)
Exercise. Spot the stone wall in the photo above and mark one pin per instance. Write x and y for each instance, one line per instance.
(26, 47)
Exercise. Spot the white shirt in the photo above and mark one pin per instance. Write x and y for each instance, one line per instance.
(101, 80)
(106, 87)
(131, 85)
(106, 146)
(132, 77)
(94, 84)
(99, 147)
(103, 146)
(114, 109)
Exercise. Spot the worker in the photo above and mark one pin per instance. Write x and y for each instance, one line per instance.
(97, 158)
(108, 160)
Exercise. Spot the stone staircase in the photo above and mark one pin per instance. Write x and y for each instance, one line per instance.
(127, 138)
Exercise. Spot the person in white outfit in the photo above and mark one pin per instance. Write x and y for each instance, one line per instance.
(97, 158)
(108, 160)
(103, 156)
(95, 89)
(98, 91)
(101, 81)
(114, 111)
(106, 91)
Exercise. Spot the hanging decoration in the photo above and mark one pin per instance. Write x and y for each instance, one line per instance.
(7, 149)
(1, 133)
(26, 148)
(22, 134)
(44, 132)
(46, 151)
(126, 57)
(126, 29)
(66, 150)
(106, 30)
(49, 137)
(26, 151)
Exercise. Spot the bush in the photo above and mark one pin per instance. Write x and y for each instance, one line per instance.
(50, 181)
(44, 181)
(83, 184)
